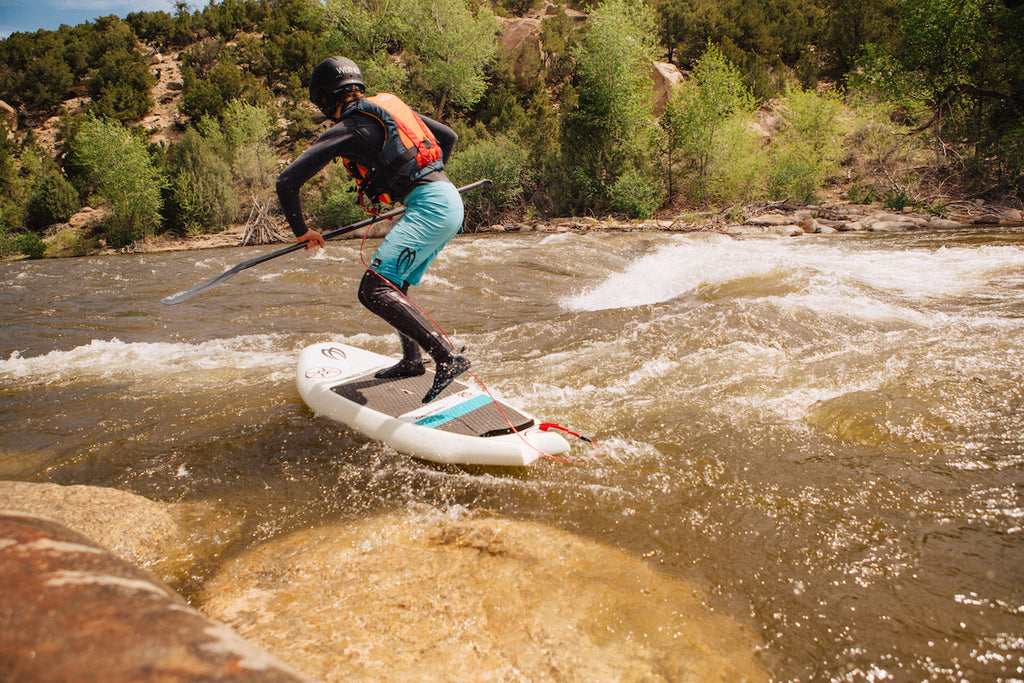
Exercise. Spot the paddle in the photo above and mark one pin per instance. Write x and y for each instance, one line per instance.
(187, 294)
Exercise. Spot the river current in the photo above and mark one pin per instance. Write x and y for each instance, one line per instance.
(826, 431)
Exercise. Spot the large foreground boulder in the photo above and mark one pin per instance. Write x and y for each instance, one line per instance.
(71, 611)
(414, 597)
(132, 527)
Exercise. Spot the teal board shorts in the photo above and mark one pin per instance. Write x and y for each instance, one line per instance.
(433, 216)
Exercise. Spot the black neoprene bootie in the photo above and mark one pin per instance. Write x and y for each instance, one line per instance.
(411, 364)
(446, 373)
(403, 368)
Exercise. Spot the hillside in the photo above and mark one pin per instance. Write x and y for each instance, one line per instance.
(571, 113)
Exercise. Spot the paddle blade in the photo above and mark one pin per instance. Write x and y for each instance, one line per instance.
(186, 294)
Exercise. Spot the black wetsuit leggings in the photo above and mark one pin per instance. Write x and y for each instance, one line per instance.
(389, 301)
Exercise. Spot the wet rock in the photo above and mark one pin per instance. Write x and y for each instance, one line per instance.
(134, 528)
(809, 225)
(891, 222)
(889, 226)
(876, 417)
(1012, 216)
(743, 230)
(73, 612)
(770, 219)
(419, 597)
(944, 224)
(789, 230)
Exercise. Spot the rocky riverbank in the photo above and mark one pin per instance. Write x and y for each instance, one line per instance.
(772, 219)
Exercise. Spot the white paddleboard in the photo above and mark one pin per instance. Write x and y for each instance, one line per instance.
(461, 426)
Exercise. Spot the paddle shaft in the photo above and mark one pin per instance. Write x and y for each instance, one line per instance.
(187, 294)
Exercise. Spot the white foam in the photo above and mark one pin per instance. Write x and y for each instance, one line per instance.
(676, 268)
(117, 360)
(686, 264)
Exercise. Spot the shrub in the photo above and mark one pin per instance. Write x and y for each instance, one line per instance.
(10, 215)
(244, 124)
(10, 182)
(8, 244)
(54, 200)
(636, 194)
(31, 245)
(889, 149)
(861, 194)
(210, 94)
(337, 203)
(247, 129)
(503, 161)
(610, 130)
(738, 163)
(202, 195)
(72, 242)
(806, 153)
(45, 82)
(793, 174)
(119, 168)
(898, 198)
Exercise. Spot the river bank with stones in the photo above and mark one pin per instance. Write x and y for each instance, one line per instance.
(785, 220)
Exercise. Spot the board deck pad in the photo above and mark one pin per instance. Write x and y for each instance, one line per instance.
(458, 409)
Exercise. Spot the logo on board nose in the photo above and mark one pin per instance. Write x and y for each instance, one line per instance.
(334, 352)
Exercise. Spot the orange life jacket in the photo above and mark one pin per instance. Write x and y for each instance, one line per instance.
(410, 151)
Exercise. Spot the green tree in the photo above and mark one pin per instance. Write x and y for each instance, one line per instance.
(960, 58)
(610, 131)
(10, 183)
(739, 163)
(121, 171)
(807, 150)
(155, 28)
(223, 82)
(851, 24)
(46, 82)
(445, 47)
(247, 129)
(452, 53)
(698, 112)
(686, 26)
(120, 87)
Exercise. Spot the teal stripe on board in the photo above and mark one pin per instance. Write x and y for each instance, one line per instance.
(459, 410)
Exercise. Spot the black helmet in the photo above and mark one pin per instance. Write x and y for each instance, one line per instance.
(331, 76)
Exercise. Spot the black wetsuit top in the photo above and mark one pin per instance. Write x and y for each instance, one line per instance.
(357, 138)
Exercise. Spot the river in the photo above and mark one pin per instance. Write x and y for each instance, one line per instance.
(826, 431)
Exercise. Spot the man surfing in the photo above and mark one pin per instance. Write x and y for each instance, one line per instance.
(396, 155)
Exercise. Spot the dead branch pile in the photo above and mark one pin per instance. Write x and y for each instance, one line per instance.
(261, 227)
